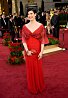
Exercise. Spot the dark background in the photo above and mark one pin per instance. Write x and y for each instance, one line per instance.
(56, 0)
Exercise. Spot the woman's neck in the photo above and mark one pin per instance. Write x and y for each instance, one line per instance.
(33, 22)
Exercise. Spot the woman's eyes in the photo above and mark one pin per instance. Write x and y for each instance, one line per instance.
(30, 13)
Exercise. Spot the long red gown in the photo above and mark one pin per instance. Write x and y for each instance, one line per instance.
(33, 40)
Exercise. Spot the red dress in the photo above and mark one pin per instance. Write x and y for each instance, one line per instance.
(33, 40)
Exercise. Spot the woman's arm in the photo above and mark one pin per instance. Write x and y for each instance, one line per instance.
(29, 53)
(42, 48)
(41, 52)
(25, 47)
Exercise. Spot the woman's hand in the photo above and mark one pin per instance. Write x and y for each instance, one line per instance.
(29, 53)
(40, 55)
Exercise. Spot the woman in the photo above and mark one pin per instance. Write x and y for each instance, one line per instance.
(49, 31)
(33, 39)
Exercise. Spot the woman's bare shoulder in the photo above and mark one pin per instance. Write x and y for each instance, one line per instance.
(27, 24)
(39, 23)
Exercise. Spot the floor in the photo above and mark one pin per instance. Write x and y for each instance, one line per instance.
(52, 48)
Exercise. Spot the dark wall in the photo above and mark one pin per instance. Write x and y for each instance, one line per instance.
(56, 0)
(9, 6)
(60, 4)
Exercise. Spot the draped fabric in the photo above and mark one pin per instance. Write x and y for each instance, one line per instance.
(34, 71)
(39, 33)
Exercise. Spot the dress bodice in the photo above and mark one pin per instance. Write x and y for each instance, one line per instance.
(39, 33)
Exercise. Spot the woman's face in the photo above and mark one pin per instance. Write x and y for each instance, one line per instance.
(31, 15)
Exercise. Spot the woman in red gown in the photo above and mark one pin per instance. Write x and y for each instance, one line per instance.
(33, 39)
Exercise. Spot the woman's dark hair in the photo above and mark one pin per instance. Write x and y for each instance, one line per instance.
(31, 9)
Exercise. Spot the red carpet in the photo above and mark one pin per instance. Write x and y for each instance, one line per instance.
(13, 82)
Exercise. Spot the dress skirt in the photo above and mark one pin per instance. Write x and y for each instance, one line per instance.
(34, 71)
